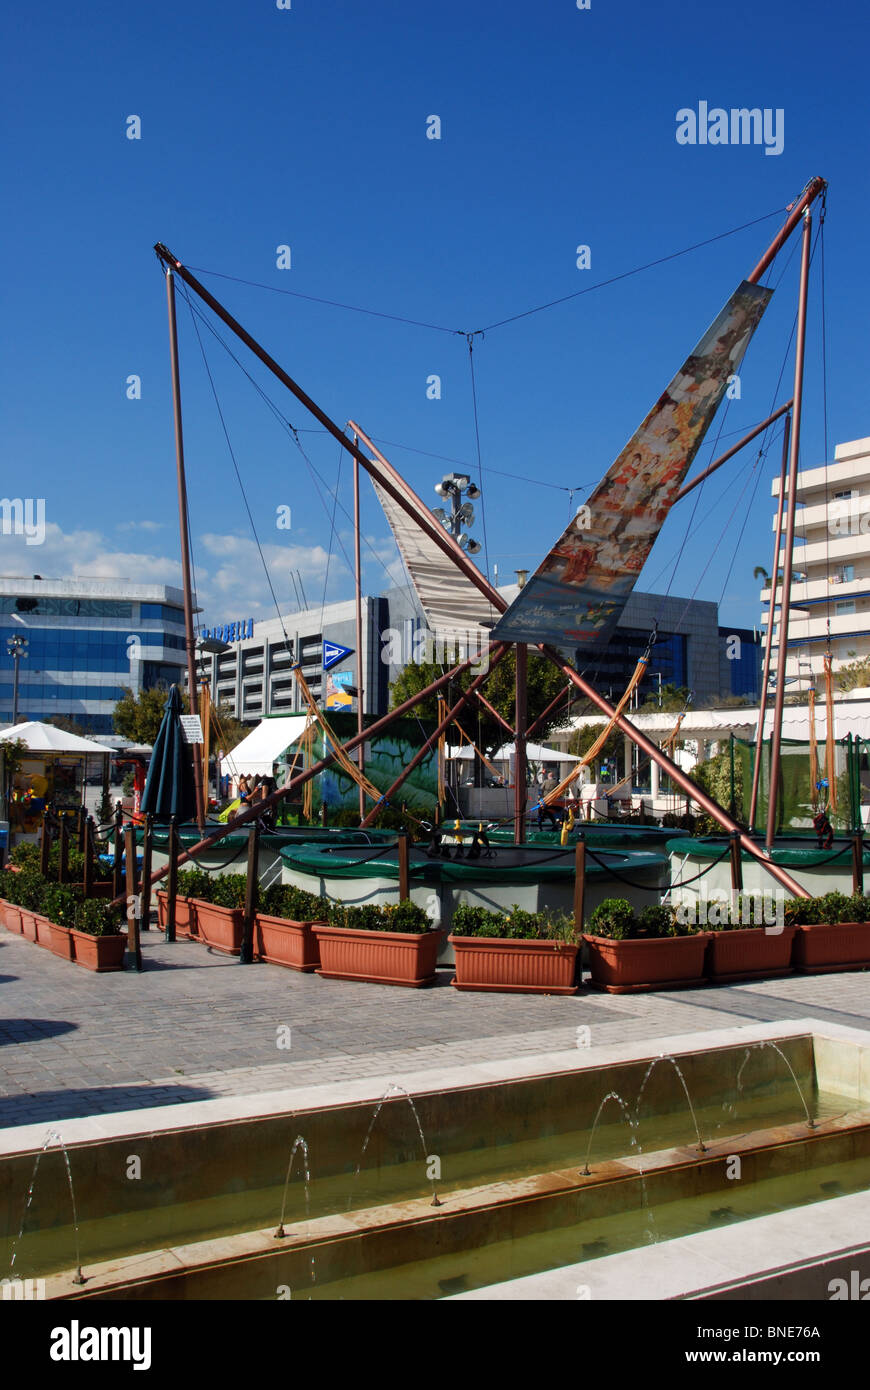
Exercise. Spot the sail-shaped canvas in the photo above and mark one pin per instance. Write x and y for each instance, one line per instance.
(577, 593)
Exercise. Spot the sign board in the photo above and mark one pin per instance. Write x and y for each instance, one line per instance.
(343, 677)
(333, 654)
(191, 727)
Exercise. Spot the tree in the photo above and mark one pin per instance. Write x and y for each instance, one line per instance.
(670, 697)
(761, 573)
(543, 684)
(856, 674)
(714, 778)
(582, 740)
(138, 717)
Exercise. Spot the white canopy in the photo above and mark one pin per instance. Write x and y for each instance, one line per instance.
(454, 608)
(256, 754)
(535, 753)
(45, 738)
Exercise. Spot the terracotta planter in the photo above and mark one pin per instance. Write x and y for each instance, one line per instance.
(628, 967)
(822, 947)
(99, 953)
(515, 967)
(379, 957)
(219, 927)
(185, 915)
(61, 941)
(281, 941)
(28, 924)
(11, 916)
(750, 953)
(43, 930)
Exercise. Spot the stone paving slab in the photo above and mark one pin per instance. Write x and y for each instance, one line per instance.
(196, 1025)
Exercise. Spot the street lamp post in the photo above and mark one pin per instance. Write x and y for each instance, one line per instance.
(17, 648)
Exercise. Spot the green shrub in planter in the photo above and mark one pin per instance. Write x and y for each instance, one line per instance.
(96, 917)
(658, 920)
(26, 856)
(294, 904)
(29, 888)
(59, 905)
(392, 917)
(228, 890)
(516, 925)
(614, 917)
(194, 883)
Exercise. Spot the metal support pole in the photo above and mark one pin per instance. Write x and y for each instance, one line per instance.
(788, 562)
(729, 453)
(736, 863)
(88, 870)
(117, 867)
(579, 882)
(172, 879)
(521, 791)
(496, 716)
(145, 883)
(404, 867)
(45, 845)
(360, 752)
(134, 948)
(768, 641)
(185, 541)
(246, 952)
(858, 862)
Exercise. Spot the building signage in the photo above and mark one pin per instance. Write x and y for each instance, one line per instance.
(230, 632)
(333, 654)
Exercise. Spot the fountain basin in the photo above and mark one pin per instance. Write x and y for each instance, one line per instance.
(509, 1140)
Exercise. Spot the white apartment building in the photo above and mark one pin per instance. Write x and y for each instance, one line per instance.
(831, 580)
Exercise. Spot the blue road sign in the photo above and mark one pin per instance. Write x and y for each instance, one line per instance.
(333, 654)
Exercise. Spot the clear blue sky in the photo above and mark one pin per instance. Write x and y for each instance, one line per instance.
(262, 127)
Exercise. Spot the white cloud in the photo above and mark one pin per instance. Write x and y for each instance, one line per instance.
(230, 583)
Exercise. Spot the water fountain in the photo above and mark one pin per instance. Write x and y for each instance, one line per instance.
(394, 1089)
(52, 1137)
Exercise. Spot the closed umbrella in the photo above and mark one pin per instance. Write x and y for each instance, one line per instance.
(170, 789)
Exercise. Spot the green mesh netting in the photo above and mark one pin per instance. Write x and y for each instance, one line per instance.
(795, 795)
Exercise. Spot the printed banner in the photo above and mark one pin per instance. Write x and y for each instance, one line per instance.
(576, 595)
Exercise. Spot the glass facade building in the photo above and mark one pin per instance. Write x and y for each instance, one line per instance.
(86, 640)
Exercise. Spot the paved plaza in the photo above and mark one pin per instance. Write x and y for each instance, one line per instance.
(196, 1025)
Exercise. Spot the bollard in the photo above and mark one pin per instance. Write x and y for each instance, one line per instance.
(134, 949)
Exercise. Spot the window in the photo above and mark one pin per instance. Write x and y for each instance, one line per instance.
(845, 607)
(846, 573)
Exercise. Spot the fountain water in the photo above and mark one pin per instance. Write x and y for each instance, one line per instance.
(298, 1143)
(811, 1124)
(280, 1234)
(631, 1121)
(52, 1137)
(394, 1089)
(665, 1057)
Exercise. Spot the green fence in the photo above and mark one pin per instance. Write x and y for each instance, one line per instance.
(795, 793)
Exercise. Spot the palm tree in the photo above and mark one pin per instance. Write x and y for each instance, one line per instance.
(761, 573)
